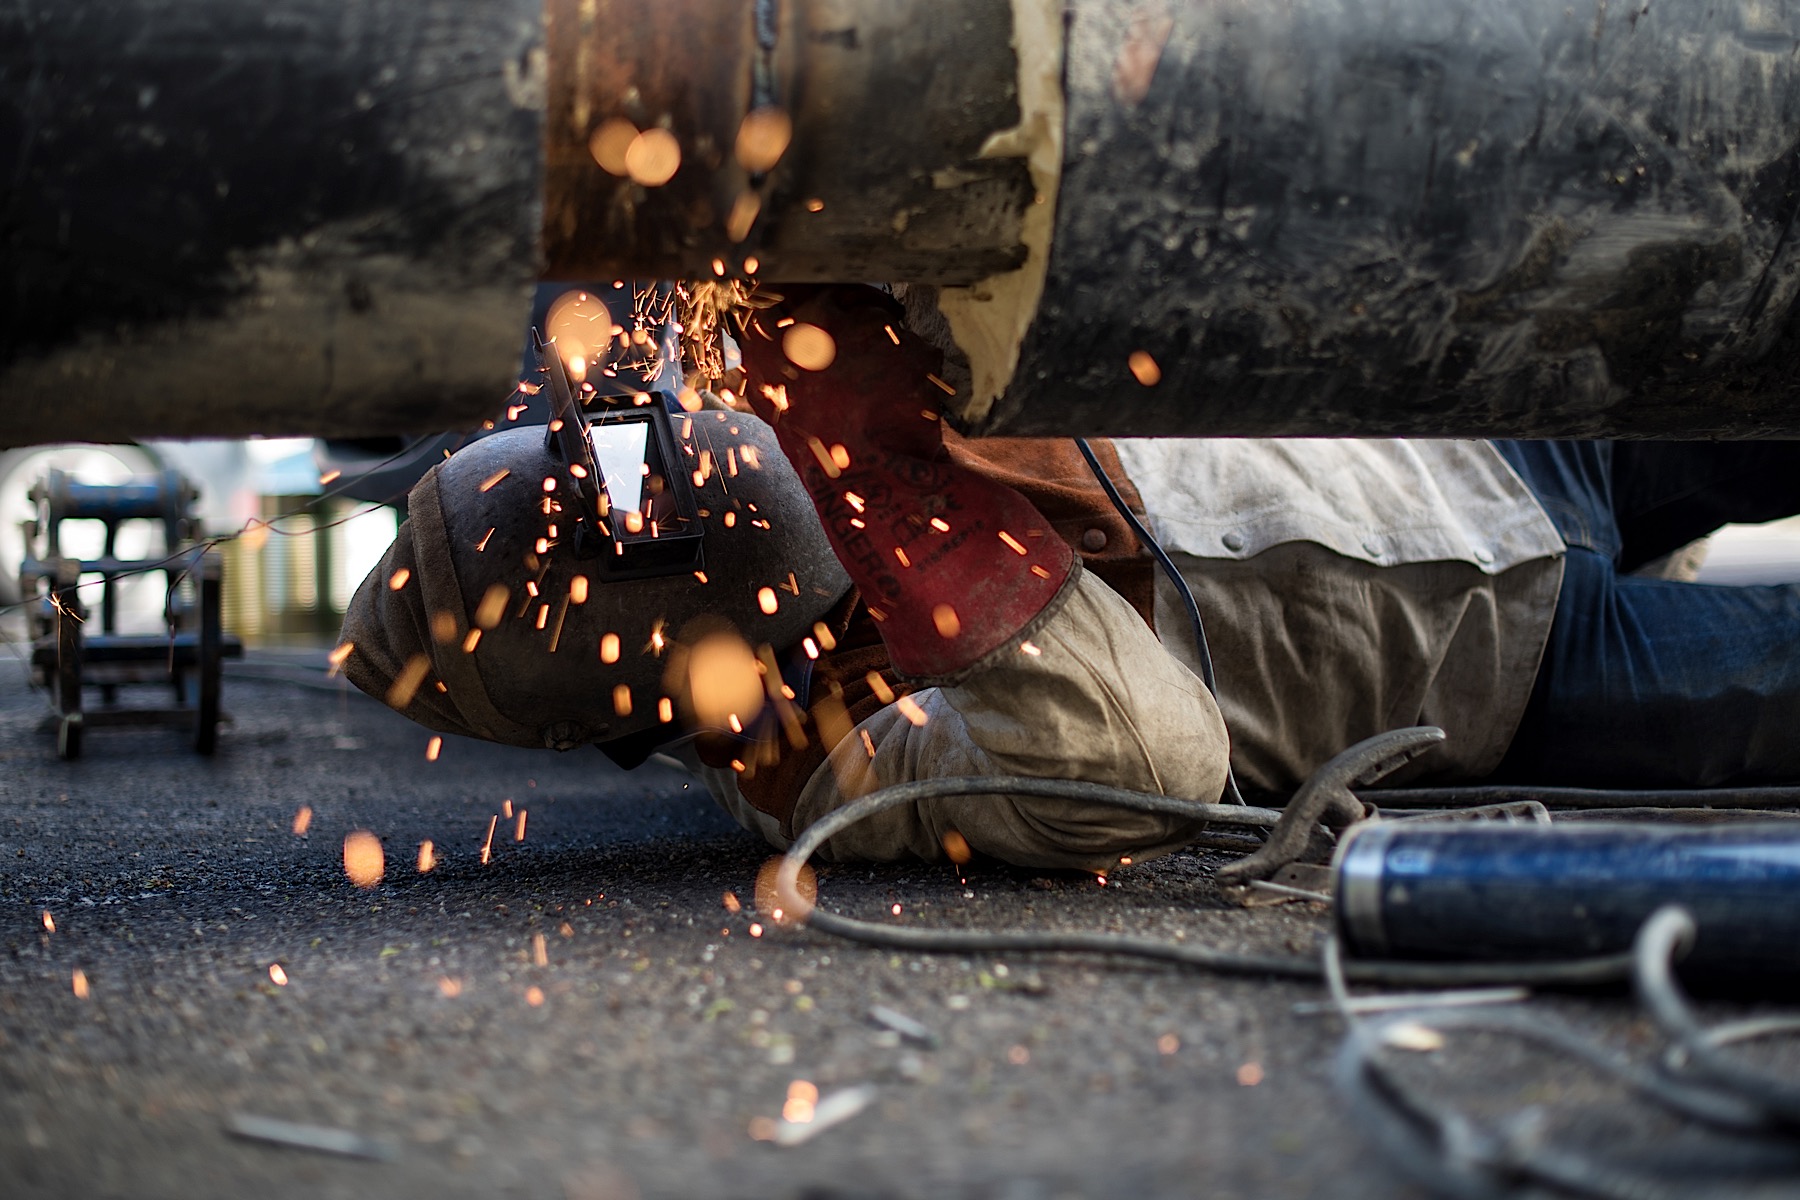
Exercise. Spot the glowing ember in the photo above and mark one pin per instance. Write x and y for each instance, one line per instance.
(398, 579)
(427, 856)
(406, 684)
(609, 143)
(1144, 368)
(909, 708)
(763, 138)
(492, 606)
(665, 710)
(815, 205)
(621, 697)
(766, 600)
(1030, 648)
(802, 1100)
(720, 679)
(519, 829)
(941, 525)
(278, 975)
(946, 620)
(755, 929)
(302, 820)
(433, 748)
(364, 861)
(743, 215)
(956, 848)
(895, 910)
(534, 996)
(1168, 1043)
(578, 589)
(1250, 1074)
(808, 347)
(609, 648)
(652, 158)
(768, 899)
(79, 981)
(472, 641)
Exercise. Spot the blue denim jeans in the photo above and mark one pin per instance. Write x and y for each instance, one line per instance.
(1653, 683)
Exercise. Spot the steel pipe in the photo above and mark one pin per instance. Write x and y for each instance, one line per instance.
(1421, 217)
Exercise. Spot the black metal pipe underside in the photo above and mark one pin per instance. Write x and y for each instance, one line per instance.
(286, 216)
(1428, 217)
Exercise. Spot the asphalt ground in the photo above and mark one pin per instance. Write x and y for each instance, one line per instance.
(587, 1015)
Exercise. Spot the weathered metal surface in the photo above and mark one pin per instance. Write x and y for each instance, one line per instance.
(298, 216)
(890, 106)
(1438, 217)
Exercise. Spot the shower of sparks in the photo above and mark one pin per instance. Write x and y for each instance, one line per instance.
(277, 975)
(302, 820)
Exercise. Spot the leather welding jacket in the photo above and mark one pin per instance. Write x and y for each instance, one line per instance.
(1348, 587)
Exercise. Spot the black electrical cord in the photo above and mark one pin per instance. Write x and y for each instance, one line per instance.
(1453, 1154)
(1571, 973)
(1232, 794)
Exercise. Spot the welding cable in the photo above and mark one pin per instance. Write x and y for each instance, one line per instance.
(1668, 932)
(1231, 794)
(1447, 1151)
(1570, 973)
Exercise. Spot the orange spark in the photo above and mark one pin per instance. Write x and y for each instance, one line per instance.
(80, 983)
(1144, 368)
(398, 579)
(427, 856)
(277, 974)
(947, 622)
(487, 843)
(451, 988)
(765, 600)
(487, 485)
(534, 996)
(433, 748)
(49, 921)
(519, 830)
(1168, 1043)
(540, 954)
(1250, 1074)
(956, 848)
(302, 820)
(364, 861)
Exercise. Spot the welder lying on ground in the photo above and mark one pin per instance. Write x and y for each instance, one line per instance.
(993, 615)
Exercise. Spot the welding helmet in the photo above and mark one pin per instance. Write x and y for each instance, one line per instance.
(512, 608)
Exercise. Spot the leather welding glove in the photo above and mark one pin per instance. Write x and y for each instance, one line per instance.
(957, 569)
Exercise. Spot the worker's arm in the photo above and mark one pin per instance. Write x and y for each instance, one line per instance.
(1040, 671)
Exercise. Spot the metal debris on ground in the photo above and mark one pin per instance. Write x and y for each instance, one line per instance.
(905, 1026)
(834, 1109)
(310, 1137)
